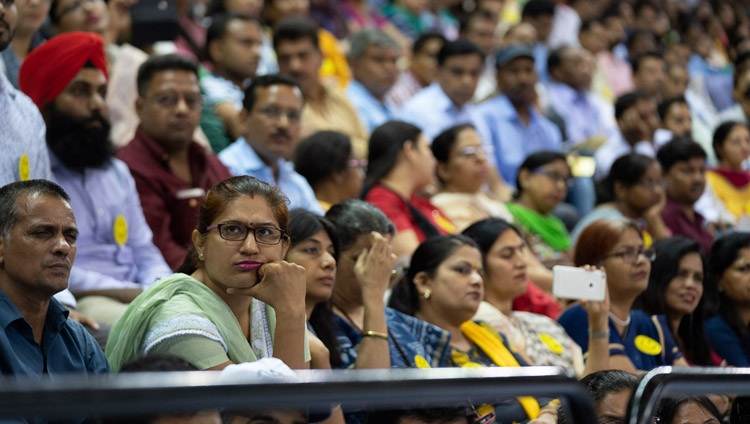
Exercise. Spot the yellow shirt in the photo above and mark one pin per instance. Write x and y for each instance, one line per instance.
(335, 114)
(736, 200)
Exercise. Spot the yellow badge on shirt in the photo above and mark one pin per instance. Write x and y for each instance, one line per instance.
(421, 362)
(647, 345)
(551, 343)
(120, 230)
(23, 168)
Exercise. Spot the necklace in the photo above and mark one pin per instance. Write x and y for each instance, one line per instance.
(348, 318)
(618, 321)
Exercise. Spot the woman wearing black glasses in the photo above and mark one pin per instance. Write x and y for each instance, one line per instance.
(636, 341)
(237, 300)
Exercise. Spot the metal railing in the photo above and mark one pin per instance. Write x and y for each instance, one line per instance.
(668, 381)
(147, 393)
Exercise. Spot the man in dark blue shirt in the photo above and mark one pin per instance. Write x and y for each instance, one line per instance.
(37, 249)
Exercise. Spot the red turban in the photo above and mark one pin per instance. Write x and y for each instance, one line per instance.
(49, 68)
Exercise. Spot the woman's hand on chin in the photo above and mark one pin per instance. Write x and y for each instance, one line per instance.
(281, 285)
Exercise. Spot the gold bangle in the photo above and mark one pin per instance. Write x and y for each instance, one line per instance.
(376, 334)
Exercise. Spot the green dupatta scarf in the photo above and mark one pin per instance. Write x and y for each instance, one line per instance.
(549, 227)
(171, 297)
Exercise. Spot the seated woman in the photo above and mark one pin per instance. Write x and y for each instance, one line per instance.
(241, 301)
(462, 170)
(539, 339)
(327, 162)
(636, 342)
(400, 164)
(541, 184)
(370, 335)
(314, 246)
(634, 189)
(730, 181)
(675, 296)
(444, 286)
(728, 301)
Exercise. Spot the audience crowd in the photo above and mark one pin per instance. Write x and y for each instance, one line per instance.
(368, 184)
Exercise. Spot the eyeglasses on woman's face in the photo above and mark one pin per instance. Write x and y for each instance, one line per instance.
(632, 255)
(263, 234)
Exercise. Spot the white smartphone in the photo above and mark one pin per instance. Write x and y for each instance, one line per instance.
(570, 282)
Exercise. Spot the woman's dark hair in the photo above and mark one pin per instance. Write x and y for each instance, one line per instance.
(600, 384)
(386, 142)
(427, 258)
(669, 406)
(304, 224)
(321, 154)
(724, 252)
(669, 253)
(486, 232)
(721, 133)
(627, 170)
(225, 192)
(442, 145)
(536, 160)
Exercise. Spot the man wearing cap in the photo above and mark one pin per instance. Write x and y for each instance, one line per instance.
(67, 79)
(515, 128)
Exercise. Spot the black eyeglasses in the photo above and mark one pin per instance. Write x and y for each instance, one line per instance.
(631, 255)
(264, 234)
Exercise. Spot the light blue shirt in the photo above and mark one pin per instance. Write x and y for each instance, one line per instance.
(585, 114)
(512, 139)
(241, 159)
(98, 197)
(371, 111)
(614, 148)
(433, 112)
(22, 136)
(217, 89)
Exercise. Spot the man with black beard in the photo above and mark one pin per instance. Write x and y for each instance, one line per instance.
(67, 79)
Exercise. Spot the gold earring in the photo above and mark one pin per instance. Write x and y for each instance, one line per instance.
(426, 294)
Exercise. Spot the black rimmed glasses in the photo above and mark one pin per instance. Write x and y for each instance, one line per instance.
(264, 234)
(632, 255)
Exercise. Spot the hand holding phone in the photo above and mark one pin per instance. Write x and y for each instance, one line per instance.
(577, 283)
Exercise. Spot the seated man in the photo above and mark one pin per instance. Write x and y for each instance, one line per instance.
(37, 248)
(171, 170)
(683, 163)
(373, 55)
(67, 79)
(271, 115)
(233, 44)
(298, 50)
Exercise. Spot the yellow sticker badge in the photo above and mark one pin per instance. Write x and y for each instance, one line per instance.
(120, 230)
(551, 343)
(421, 362)
(24, 173)
(647, 345)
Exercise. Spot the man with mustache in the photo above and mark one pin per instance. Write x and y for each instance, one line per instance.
(271, 117)
(67, 79)
(38, 236)
(172, 171)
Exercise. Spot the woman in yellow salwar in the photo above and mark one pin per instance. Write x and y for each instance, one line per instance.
(444, 286)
